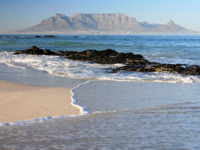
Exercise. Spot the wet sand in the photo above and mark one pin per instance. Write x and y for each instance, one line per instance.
(22, 102)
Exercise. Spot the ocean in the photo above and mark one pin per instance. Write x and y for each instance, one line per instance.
(128, 110)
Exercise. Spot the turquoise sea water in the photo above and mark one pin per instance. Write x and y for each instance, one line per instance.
(124, 111)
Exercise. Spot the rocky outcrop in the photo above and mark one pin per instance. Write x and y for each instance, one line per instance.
(132, 62)
(157, 67)
(33, 50)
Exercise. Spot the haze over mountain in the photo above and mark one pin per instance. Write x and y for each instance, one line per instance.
(117, 23)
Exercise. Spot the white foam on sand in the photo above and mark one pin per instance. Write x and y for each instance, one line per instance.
(84, 109)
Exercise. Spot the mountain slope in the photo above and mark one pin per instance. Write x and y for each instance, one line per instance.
(101, 24)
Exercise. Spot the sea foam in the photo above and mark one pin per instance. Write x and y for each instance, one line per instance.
(84, 109)
(60, 66)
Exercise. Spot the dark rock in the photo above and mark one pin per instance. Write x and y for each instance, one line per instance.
(193, 70)
(107, 56)
(49, 36)
(48, 52)
(70, 54)
(132, 62)
(60, 53)
(33, 50)
(177, 68)
(37, 36)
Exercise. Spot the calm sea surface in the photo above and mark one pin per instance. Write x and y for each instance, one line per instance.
(122, 111)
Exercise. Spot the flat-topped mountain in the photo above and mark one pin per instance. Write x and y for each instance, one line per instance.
(118, 23)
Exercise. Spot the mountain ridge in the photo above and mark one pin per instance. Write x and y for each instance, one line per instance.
(97, 23)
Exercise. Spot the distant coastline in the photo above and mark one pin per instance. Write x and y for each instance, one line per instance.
(93, 34)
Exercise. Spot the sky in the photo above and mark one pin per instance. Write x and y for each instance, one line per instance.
(21, 14)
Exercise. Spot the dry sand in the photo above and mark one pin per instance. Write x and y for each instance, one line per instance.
(21, 102)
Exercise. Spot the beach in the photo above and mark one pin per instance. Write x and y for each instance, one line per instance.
(122, 115)
(22, 102)
(110, 110)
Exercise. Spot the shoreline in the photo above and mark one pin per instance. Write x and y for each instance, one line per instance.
(20, 102)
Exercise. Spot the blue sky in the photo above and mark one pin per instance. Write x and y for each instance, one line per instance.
(20, 14)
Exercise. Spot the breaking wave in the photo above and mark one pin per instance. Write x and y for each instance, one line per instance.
(60, 66)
